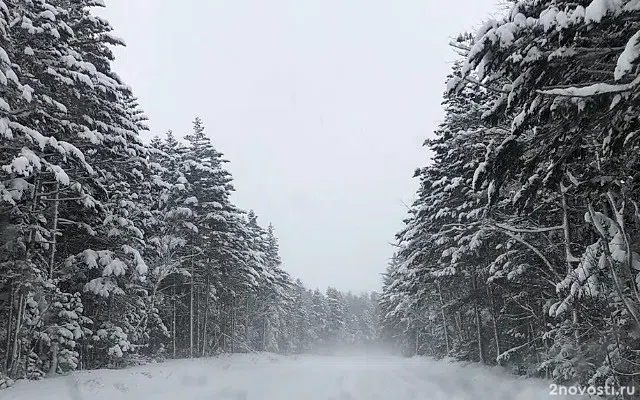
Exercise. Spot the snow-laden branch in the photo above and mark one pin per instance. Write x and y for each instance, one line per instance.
(591, 90)
(507, 354)
(531, 247)
(463, 48)
(523, 230)
(484, 85)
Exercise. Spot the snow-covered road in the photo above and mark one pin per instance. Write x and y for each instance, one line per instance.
(270, 377)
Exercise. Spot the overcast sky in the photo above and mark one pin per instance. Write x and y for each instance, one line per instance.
(320, 105)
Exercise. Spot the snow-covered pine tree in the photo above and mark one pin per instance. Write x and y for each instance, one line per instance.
(110, 248)
(566, 74)
(170, 223)
(336, 318)
(319, 316)
(278, 297)
(72, 117)
(437, 283)
(299, 319)
(395, 308)
(119, 157)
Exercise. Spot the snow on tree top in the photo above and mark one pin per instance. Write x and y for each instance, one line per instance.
(115, 267)
(633, 5)
(60, 175)
(4, 57)
(23, 164)
(598, 9)
(102, 287)
(48, 14)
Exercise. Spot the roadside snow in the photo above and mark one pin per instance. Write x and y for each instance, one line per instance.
(271, 377)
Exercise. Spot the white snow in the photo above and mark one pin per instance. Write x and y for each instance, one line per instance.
(102, 287)
(518, 120)
(520, 20)
(506, 33)
(60, 175)
(633, 5)
(271, 377)
(593, 90)
(11, 75)
(27, 93)
(578, 15)
(548, 18)
(533, 55)
(479, 171)
(24, 164)
(4, 105)
(628, 57)
(115, 267)
(54, 32)
(4, 57)
(84, 78)
(191, 200)
(48, 15)
(598, 9)
(32, 134)
(562, 20)
(141, 266)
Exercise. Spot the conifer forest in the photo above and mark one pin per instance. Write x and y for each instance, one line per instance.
(522, 248)
(120, 246)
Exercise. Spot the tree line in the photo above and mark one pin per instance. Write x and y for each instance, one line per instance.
(113, 251)
(522, 248)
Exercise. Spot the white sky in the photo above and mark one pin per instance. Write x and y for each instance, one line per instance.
(321, 107)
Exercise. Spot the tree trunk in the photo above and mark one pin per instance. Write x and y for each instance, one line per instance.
(197, 319)
(34, 206)
(476, 311)
(457, 318)
(16, 336)
(569, 259)
(544, 341)
(191, 312)
(619, 287)
(110, 309)
(54, 229)
(173, 325)
(264, 333)
(246, 322)
(444, 319)
(54, 359)
(206, 317)
(619, 217)
(81, 355)
(496, 336)
(233, 324)
(8, 352)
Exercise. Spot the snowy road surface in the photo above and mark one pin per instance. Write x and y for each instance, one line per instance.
(271, 377)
